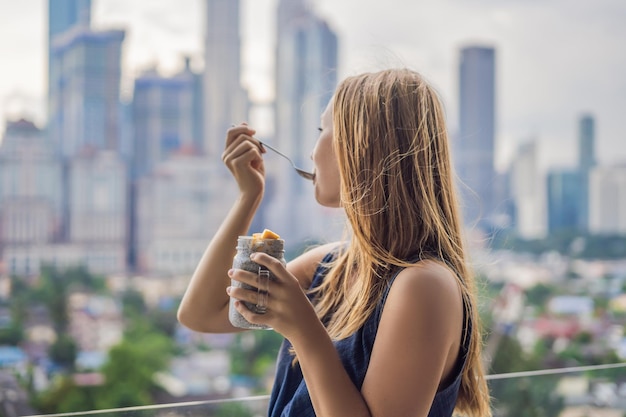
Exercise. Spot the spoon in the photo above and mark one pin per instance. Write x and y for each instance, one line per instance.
(304, 174)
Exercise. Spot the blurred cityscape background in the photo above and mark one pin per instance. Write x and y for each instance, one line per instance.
(112, 184)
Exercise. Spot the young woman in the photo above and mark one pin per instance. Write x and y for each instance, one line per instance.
(386, 323)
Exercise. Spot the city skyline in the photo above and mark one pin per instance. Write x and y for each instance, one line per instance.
(568, 64)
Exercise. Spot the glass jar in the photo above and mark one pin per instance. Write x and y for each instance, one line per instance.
(246, 245)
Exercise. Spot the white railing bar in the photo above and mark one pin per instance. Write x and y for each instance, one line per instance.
(156, 406)
(509, 375)
(555, 371)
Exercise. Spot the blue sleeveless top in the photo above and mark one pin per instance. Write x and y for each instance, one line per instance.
(290, 396)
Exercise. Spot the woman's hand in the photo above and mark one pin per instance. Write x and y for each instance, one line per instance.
(242, 156)
(289, 311)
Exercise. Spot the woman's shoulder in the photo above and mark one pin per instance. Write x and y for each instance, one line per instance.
(304, 266)
(428, 282)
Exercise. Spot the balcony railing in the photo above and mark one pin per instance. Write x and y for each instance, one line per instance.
(586, 391)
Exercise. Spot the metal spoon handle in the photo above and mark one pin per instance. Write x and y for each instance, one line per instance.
(301, 172)
(275, 150)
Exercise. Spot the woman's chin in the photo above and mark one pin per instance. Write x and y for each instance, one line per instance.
(327, 201)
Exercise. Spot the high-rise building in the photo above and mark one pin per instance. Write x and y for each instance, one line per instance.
(586, 162)
(306, 77)
(84, 100)
(164, 116)
(32, 207)
(30, 187)
(98, 201)
(474, 147)
(563, 188)
(174, 214)
(607, 200)
(586, 142)
(97, 193)
(62, 16)
(527, 191)
(225, 100)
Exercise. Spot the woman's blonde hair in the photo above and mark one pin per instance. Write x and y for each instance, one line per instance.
(397, 189)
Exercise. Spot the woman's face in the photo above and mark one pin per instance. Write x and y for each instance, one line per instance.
(326, 181)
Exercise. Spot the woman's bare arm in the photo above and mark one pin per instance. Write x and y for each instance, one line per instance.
(416, 348)
(204, 307)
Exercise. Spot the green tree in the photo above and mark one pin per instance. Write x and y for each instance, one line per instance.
(131, 367)
(233, 409)
(133, 303)
(64, 350)
(79, 278)
(49, 402)
(66, 397)
(539, 294)
(582, 338)
(521, 397)
(526, 397)
(509, 357)
(253, 359)
(53, 291)
(13, 334)
(542, 356)
(128, 374)
(164, 320)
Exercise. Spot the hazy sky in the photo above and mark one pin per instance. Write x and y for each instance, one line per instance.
(555, 58)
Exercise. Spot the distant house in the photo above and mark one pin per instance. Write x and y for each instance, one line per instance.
(570, 305)
(621, 350)
(12, 357)
(199, 373)
(95, 321)
(556, 328)
(618, 304)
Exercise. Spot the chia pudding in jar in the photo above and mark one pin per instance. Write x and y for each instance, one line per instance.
(246, 245)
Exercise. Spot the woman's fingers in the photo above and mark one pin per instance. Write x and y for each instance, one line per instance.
(240, 141)
(244, 159)
(243, 294)
(278, 269)
(236, 131)
(242, 132)
(243, 276)
(241, 151)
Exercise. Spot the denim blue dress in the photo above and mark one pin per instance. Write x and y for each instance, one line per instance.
(290, 396)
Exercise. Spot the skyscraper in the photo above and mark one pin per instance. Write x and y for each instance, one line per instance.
(84, 120)
(98, 200)
(474, 150)
(586, 162)
(30, 187)
(163, 118)
(84, 101)
(607, 202)
(63, 15)
(226, 102)
(563, 198)
(527, 191)
(586, 142)
(306, 77)
(171, 232)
